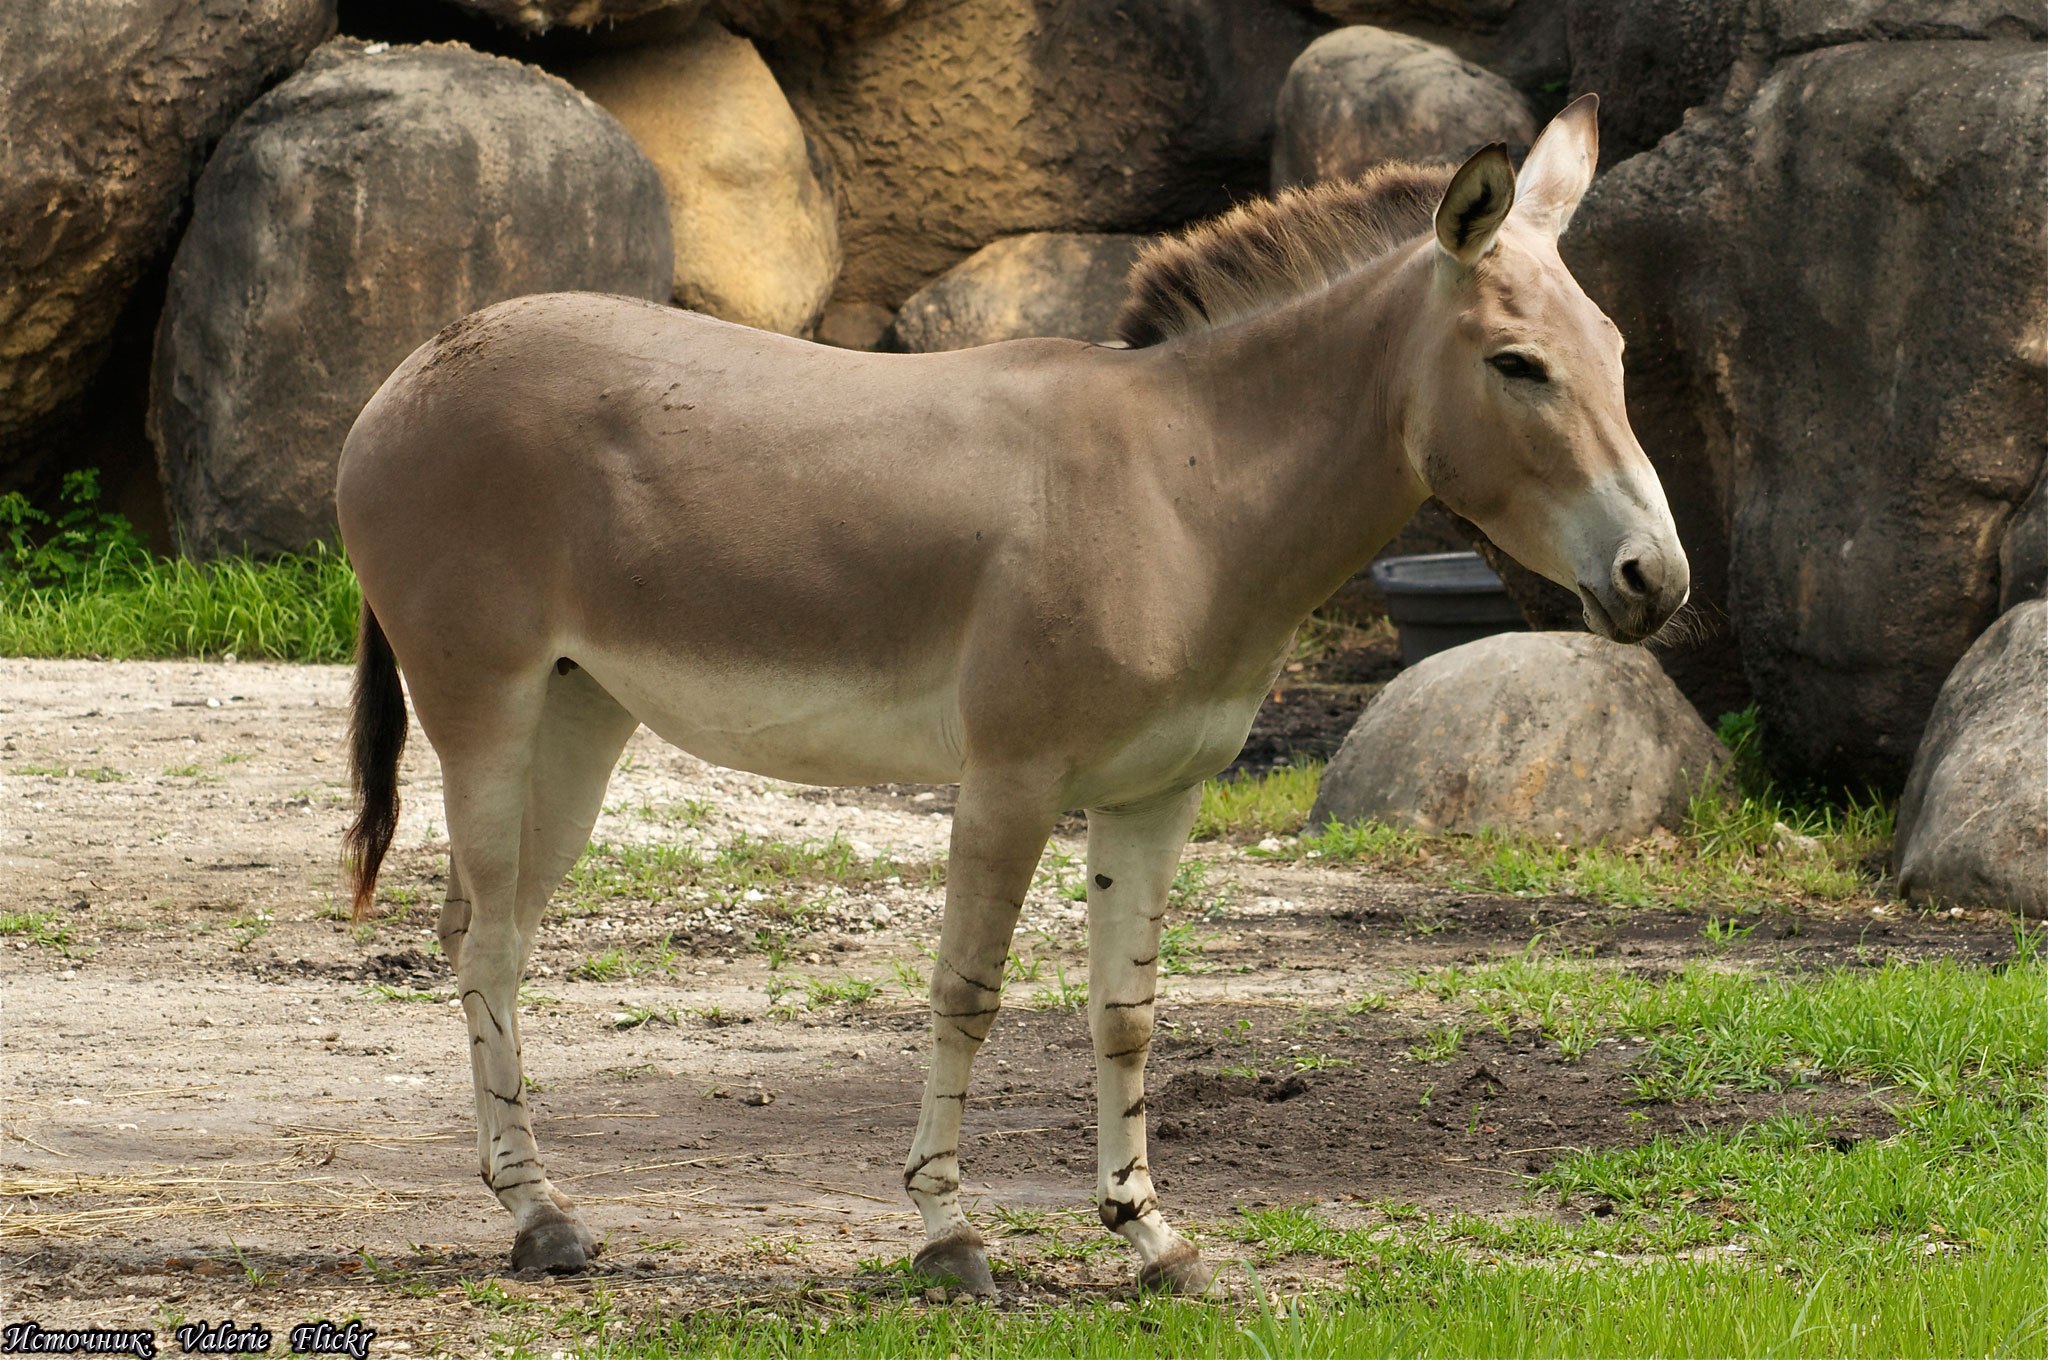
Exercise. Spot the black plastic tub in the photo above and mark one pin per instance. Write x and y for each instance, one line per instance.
(1443, 600)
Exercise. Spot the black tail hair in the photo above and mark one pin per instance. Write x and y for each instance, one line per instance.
(376, 739)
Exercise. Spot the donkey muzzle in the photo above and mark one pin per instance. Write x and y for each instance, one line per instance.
(1646, 584)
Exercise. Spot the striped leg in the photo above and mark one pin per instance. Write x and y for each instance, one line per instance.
(516, 821)
(999, 829)
(1132, 855)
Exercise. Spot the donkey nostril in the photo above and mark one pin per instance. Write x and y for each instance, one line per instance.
(1632, 578)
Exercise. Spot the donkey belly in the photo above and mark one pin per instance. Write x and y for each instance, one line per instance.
(807, 727)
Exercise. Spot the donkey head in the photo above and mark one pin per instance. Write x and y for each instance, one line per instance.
(1517, 421)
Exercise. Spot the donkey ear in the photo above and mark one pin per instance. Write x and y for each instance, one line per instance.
(1475, 204)
(1560, 166)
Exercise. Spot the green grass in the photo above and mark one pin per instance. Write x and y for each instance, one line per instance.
(770, 869)
(44, 928)
(76, 581)
(1985, 1304)
(1793, 1236)
(1275, 804)
(1743, 850)
(843, 991)
(1935, 1029)
(291, 609)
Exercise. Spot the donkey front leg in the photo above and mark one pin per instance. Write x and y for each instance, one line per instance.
(999, 829)
(1132, 855)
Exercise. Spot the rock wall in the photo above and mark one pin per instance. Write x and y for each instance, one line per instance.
(1835, 296)
(109, 109)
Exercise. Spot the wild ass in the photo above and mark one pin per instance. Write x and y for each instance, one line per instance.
(1060, 574)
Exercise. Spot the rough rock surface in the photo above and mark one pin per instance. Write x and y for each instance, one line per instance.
(1651, 60)
(109, 110)
(2023, 555)
(1363, 95)
(970, 121)
(1973, 825)
(769, 19)
(1523, 40)
(1554, 734)
(1838, 362)
(756, 233)
(1045, 283)
(351, 213)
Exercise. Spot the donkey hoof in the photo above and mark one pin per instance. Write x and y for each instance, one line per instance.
(558, 1246)
(959, 1261)
(1179, 1270)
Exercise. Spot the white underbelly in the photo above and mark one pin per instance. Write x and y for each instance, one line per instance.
(1179, 746)
(807, 728)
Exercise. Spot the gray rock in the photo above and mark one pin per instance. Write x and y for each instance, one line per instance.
(1361, 95)
(1067, 284)
(1836, 362)
(351, 213)
(966, 122)
(1651, 60)
(1555, 734)
(110, 109)
(1973, 824)
(1523, 40)
(2023, 553)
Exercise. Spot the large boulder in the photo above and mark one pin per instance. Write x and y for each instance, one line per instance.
(1560, 735)
(1044, 283)
(756, 234)
(1973, 824)
(969, 121)
(352, 212)
(110, 108)
(1651, 60)
(1834, 297)
(1523, 40)
(1363, 95)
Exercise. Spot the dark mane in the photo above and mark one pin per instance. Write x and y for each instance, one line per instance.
(1272, 250)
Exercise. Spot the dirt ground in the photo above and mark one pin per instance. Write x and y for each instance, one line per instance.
(222, 1099)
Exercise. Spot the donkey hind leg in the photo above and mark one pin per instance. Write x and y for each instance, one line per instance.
(518, 815)
(999, 829)
(1132, 854)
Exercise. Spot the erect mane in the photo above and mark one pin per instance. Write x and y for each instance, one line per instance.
(1272, 250)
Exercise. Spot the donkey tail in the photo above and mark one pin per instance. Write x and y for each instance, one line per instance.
(376, 737)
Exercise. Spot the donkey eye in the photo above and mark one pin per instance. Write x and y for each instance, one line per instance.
(1518, 366)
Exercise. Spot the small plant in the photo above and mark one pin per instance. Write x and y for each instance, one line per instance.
(847, 991)
(777, 989)
(909, 978)
(251, 1275)
(67, 547)
(607, 965)
(1062, 995)
(43, 928)
(1317, 1062)
(248, 928)
(385, 991)
(1724, 931)
(634, 1016)
(1180, 951)
(1440, 1046)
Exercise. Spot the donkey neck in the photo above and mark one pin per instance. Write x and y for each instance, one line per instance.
(1298, 414)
